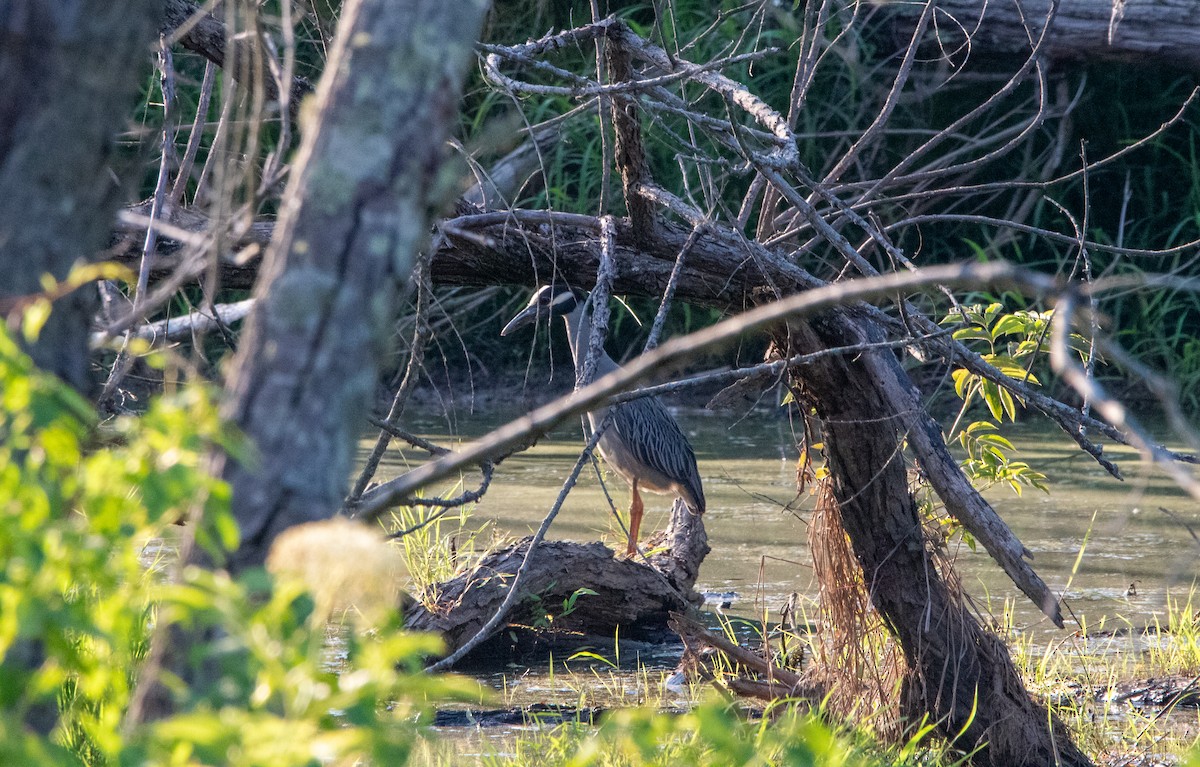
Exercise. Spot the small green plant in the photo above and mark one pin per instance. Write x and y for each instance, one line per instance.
(431, 550)
(545, 618)
(1012, 343)
(989, 460)
(276, 699)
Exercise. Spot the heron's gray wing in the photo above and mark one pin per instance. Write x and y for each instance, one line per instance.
(651, 434)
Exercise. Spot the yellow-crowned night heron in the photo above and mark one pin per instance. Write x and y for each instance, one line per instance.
(643, 444)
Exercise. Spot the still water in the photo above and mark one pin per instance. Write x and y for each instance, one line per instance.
(1106, 546)
(1114, 550)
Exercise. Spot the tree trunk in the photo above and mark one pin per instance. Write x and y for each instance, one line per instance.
(1143, 31)
(359, 206)
(357, 211)
(67, 74)
(958, 673)
(65, 87)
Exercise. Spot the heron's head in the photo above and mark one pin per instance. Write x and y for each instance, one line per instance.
(554, 300)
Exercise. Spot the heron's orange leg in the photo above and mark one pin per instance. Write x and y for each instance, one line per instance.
(635, 520)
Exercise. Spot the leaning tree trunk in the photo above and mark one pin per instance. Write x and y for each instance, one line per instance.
(363, 192)
(358, 210)
(958, 673)
(67, 74)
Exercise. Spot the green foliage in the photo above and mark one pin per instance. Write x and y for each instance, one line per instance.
(83, 506)
(545, 617)
(989, 459)
(1012, 343)
(73, 591)
(431, 548)
(277, 698)
(713, 733)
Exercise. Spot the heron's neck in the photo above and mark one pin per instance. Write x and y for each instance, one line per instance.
(579, 335)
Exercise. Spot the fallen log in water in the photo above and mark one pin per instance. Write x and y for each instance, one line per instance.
(632, 596)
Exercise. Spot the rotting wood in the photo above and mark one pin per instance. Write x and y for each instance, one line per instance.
(631, 594)
(1163, 31)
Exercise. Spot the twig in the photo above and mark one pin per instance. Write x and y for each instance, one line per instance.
(196, 135)
(1112, 410)
(487, 468)
(121, 365)
(416, 358)
(513, 589)
(664, 306)
(541, 420)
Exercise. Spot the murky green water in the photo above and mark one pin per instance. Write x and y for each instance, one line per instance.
(1092, 536)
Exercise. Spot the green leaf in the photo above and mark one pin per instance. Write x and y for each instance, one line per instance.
(991, 396)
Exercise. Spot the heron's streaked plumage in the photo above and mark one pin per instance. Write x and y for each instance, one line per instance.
(644, 444)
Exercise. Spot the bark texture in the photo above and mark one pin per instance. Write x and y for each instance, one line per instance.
(1162, 31)
(958, 673)
(67, 74)
(631, 594)
(359, 207)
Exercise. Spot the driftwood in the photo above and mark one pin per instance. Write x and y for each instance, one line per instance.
(634, 595)
(1122, 30)
(766, 680)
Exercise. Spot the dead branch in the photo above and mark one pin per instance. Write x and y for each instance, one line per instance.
(182, 328)
(200, 32)
(1163, 33)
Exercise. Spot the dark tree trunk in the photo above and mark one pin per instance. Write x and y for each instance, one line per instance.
(958, 673)
(67, 74)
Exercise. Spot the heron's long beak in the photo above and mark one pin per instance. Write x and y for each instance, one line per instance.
(527, 316)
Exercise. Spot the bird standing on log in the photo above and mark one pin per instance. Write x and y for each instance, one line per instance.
(643, 444)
